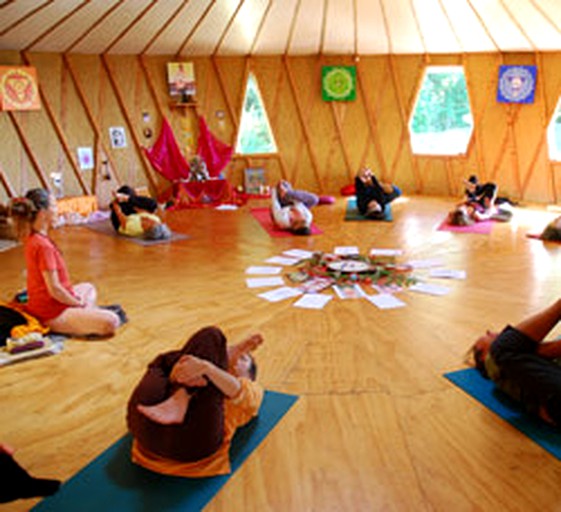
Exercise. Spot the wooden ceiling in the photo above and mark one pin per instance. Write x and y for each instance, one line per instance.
(280, 27)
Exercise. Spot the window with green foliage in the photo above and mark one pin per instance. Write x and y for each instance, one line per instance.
(554, 134)
(255, 135)
(441, 123)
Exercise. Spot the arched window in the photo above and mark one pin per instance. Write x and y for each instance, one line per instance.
(441, 123)
(255, 134)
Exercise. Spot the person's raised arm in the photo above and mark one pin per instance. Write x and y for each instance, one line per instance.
(190, 369)
(116, 207)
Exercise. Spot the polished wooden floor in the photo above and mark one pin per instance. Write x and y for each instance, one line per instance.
(377, 426)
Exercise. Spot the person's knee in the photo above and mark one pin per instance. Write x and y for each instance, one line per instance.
(109, 324)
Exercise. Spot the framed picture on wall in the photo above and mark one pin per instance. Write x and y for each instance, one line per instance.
(18, 88)
(85, 158)
(118, 137)
(338, 83)
(181, 81)
(255, 181)
(517, 84)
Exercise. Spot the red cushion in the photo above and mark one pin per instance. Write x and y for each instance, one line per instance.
(348, 190)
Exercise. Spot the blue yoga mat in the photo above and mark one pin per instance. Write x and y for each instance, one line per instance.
(112, 482)
(484, 391)
(351, 213)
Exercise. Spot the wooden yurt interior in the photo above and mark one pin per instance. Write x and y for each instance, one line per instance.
(376, 425)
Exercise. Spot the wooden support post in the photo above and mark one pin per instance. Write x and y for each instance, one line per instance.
(10, 192)
(138, 145)
(404, 138)
(60, 134)
(36, 165)
(98, 137)
(371, 117)
(303, 123)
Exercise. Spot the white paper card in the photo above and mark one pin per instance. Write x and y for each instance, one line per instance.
(385, 301)
(280, 260)
(431, 289)
(313, 301)
(434, 262)
(280, 294)
(349, 292)
(386, 252)
(447, 273)
(346, 250)
(263, 270)
(300, 254)
(257, 282)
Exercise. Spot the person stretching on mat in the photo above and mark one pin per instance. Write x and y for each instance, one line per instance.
(523, 365)
(140, 224)
(290, 208)
(184, 412)
(52, 299)
(130, 202)
(372, 196)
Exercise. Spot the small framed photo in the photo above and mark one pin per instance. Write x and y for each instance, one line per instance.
(255, 181)
(85, 158)
(118, 137)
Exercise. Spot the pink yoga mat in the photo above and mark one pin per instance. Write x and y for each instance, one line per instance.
(482, 228)
(263, 216)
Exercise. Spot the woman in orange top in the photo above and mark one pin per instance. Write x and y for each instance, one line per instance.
(184, 412)
(52, 299)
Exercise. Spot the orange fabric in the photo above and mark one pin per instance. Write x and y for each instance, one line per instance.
(237, 412)
(32, 325)
(84, 205)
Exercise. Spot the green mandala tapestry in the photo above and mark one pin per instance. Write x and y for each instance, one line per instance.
(338, 83)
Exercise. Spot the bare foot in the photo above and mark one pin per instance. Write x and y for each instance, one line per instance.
(169, 412)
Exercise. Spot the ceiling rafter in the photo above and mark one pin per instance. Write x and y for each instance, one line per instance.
(518, 25)
(94, 25)
(292, 28)
(546, 16)
(260, 27)
(53, 27)
(484, 25)
(164, 26)
(129, 27)
(418, 25)
(451, 25)
(26, 17)
(323, 30)
(195, 28)
(227, 29)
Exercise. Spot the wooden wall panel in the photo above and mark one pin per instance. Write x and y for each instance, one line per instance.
(321, 145)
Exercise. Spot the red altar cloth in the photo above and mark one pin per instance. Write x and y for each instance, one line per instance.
(201, 193)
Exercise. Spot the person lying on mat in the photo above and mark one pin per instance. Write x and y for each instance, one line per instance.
(52, 299)
(372, 196)
(17, 483)
(288, 212)
(131, 202)
(523, 365)
(467, 214)
(140, 225)
(552, 231)
(480, 196)
(184, 412)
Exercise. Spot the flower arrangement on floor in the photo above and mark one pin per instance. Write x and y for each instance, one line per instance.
(348, 270)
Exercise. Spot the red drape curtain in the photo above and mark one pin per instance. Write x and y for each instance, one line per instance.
(214, 152)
